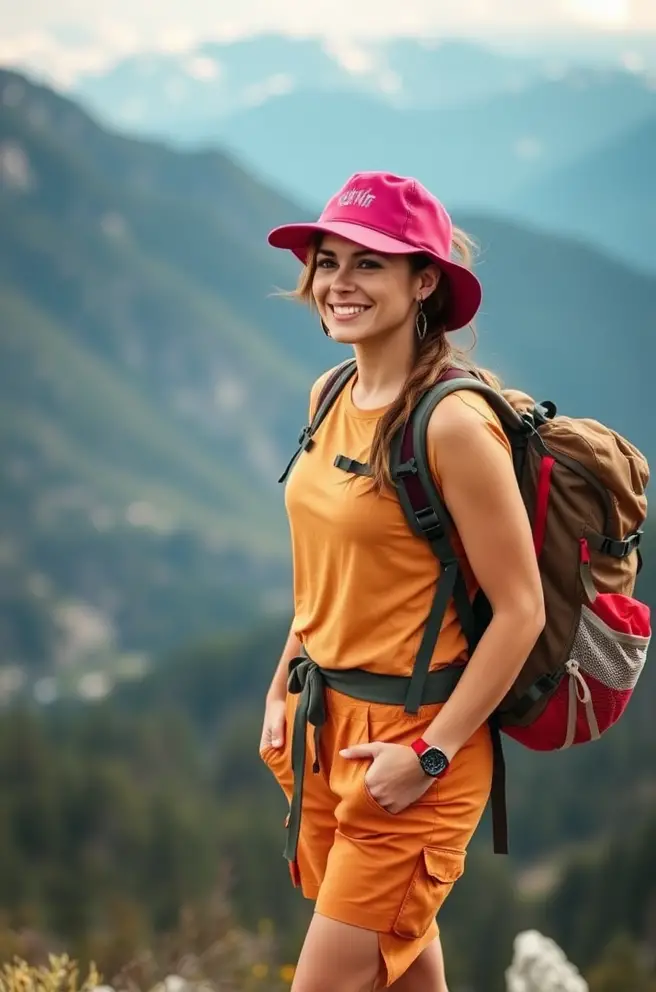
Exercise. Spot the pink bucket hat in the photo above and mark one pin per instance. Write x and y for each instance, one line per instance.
(391, 215)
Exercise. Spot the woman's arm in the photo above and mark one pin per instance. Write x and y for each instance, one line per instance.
(278, 687)
(480, 490)
(273, 724)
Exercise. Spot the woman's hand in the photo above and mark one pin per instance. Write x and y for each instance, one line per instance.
(273, 727)
(395, 779)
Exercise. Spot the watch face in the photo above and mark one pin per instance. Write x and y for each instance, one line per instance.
(434, 761)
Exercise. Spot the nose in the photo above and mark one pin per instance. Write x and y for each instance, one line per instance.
(342, 281)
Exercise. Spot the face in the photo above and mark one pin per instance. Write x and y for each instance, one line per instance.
(361, 295)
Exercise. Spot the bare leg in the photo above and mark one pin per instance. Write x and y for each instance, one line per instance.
(337, 957)
(426, 974)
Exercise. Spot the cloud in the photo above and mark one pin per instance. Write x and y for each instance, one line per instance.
(276, 85)
(367, 18)
(81, 42)
(203, 67)
(352, 55)
(606, 12)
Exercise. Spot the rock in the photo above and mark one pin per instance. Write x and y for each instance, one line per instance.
(539, 965)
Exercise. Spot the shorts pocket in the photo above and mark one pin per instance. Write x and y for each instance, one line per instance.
(278, 761)
(272, 756)
(265, 752)
(374, 802)
(435, 874)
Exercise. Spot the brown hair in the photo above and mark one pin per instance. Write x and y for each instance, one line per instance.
(433, 356)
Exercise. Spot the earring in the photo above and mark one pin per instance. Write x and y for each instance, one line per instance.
(421, 321)
(325, 329)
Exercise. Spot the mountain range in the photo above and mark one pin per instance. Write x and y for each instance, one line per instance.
(568, 145)
(148, 383)
(152, 387)
(494, 155)
(606, 196)
(184, 95)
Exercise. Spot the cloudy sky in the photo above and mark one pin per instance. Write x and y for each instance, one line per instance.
(74, 35)
(377, 16)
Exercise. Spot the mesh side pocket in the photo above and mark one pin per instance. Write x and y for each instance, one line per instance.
(604, 664)
(607, 657)
(614, 654)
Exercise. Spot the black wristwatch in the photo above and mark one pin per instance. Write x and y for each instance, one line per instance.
(433, 761)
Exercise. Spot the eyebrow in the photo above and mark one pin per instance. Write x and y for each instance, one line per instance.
(356, 254)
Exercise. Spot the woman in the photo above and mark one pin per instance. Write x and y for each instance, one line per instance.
(384, 830)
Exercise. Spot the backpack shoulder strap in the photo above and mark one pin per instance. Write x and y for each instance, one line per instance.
(330, 390)
(456, 380)
(428, 516)
(516, 427)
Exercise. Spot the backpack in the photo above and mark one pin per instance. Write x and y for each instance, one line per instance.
(583, 486)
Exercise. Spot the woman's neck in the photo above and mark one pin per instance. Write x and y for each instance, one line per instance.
(383, 367)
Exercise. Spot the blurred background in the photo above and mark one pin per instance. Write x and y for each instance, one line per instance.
(152, 388)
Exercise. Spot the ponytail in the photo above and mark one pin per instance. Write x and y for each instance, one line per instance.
(435, 354)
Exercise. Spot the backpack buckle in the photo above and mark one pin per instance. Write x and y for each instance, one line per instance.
(429, 522)
(547, 682)
(305, 441)
(405, 469)
(619, 548)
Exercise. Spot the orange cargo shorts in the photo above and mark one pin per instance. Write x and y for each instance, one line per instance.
(363, 865)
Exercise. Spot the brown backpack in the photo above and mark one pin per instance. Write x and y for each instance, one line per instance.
(584, 489)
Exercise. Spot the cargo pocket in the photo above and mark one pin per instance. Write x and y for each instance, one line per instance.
(436, 872)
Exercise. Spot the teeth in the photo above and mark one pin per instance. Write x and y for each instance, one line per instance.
(347, 311)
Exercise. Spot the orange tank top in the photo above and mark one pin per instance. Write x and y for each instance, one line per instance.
(363, 582)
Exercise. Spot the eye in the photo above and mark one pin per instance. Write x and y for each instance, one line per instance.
(369, 263)
(325, 263)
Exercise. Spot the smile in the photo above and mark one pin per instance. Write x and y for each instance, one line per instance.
(347, 312)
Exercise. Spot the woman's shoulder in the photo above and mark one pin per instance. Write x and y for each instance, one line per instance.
(464, 421)
(462, 411)
(318, 385)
